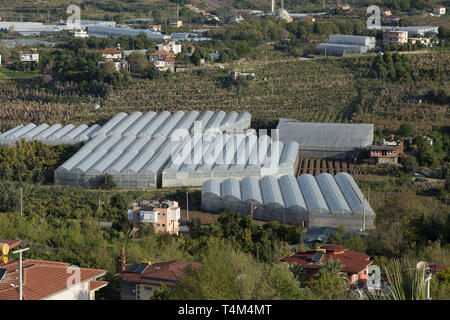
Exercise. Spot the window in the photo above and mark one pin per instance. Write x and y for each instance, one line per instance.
(365, 271)
(157, 224)
(164, 225)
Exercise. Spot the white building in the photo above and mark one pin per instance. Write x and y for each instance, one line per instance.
(439, 10)
(171, 46)
(80, 33)
(29, 56)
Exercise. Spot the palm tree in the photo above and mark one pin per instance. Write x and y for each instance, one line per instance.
(124, 238)
(333, 267)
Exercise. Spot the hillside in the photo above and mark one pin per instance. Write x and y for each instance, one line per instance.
(330, 90)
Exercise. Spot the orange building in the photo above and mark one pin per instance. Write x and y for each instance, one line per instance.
(355, 264)
(163, 215)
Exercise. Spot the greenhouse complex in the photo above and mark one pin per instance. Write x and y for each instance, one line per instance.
(135, 148)
(55, 134)
(233, 156)
(308, 201)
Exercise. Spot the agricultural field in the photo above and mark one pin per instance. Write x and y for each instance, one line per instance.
(322, 90)
(317, 166)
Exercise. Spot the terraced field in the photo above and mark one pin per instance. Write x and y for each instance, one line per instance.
(333, 90)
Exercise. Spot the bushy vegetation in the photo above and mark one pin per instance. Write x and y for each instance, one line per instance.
(394, 67)
(32, 162)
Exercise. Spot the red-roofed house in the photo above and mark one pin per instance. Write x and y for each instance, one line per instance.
(49, 280)
(355, 264)
(139, 281)
(163, 60)
(111, 54)
(114, 56)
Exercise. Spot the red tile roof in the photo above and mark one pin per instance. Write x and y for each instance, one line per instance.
(436, 268)
(11, 243)
(353, 262)
(94, 284)
(169, 59)
(40, 278)
(110, 51)
(166, 272)
(333, 247)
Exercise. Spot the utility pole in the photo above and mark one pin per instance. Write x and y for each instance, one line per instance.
(99, 208)
(364, 216)
(20, 271)
(187, 206)
(252, 207)
(21, 201)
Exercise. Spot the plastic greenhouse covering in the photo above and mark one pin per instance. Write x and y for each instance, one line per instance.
(134, 148)
(306, 200)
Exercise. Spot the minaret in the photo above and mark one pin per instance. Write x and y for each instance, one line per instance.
(273, 6)
(282, 4)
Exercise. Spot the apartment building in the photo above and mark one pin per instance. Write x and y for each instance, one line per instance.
(395, 36)
(163, 215)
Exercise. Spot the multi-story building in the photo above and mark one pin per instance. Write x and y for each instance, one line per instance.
(32, 56)
(163, 60)
(387, 151)
(111, 54)
(163, 215)
(139, 281)
(165, 64)
(80, 33)
(114, 56)
(395, 36)
(355, 264)
(171, 46)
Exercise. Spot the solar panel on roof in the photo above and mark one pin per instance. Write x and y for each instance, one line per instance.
(317, 257)
(141, 268)
(138, 268)
(133, 268)
(2, 273)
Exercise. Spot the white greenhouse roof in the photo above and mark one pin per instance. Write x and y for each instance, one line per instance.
(326, 136)
(341, 195)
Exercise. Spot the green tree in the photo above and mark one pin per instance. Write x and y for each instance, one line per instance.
(138, 62)
(410, 164)
(406, 130)
(108, 182)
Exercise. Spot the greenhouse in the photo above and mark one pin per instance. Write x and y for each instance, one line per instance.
(229, 156)
(326, 140)
(310, 201)
(135, 148)
(55, 134)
